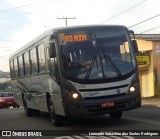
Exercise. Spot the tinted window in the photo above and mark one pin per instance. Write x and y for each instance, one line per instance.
(53, 64)
(96, 54)
(47, 60)
(15, 67)
(26, 63)
(33, 60)
(41, 56)
(20, 62)
(11, 69)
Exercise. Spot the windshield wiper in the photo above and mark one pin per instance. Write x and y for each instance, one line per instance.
(91, 66)
(107, 57)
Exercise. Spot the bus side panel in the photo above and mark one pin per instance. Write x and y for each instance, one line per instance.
(56, 97)
(39, 86)
(34, 89)
(17, 92)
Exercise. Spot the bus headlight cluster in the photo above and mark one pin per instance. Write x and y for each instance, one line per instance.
(134, 87)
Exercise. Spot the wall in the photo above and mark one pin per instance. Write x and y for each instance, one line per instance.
(146, 72)
(156, 59)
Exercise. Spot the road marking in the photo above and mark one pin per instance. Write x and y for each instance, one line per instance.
(128, 137)
(142, 120)
(122, 137)
(150, 105)
(94, 137)
(64, 137)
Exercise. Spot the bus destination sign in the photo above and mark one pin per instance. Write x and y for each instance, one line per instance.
(75, 38)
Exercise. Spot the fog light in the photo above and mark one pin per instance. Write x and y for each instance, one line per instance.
(75, 95)
(132, 89)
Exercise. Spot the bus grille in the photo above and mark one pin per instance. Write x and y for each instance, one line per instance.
(103, 97)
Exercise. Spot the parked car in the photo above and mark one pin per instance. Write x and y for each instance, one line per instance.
(7, 100)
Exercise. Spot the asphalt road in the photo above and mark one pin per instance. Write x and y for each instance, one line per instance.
(144, 118)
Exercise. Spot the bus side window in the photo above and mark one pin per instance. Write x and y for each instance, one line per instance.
(12, 69)
(41, 58)
(33, 60)
(47, 60)
(21, 68)
(26, 63)
(15, 68)
(53, 63)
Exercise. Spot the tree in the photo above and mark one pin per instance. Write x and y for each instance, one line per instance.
(5, 86)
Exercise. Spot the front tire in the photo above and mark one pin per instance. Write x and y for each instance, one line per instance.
(56, 119)
(116, 115)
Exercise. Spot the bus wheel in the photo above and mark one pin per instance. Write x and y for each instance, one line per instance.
(116, 115)
(57, 120)
(30, 112)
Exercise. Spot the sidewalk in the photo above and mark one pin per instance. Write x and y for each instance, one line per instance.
(151, 101)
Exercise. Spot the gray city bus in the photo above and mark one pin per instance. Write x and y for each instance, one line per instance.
(77, 71)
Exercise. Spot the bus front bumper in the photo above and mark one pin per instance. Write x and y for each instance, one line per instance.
(100, 106)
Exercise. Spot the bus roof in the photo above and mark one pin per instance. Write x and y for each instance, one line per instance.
(51, 31)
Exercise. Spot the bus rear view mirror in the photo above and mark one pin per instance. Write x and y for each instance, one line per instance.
(52, 50)
(134, 42)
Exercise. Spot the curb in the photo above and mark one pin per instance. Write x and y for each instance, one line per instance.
(150, 105)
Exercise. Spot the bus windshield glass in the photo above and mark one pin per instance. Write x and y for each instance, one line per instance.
(90, 54)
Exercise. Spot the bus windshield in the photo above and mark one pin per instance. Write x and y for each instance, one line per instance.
(90, 54)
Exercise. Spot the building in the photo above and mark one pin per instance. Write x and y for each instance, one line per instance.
(3, 80)
(149, 64)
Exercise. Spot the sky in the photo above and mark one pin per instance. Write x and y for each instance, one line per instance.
(23, 20)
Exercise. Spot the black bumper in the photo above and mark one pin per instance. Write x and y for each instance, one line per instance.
(93, 106)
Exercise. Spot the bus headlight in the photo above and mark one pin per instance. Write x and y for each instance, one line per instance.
(132, 89)
(134, 86)
(75, 95)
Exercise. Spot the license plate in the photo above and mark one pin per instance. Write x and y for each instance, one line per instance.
(107, 104)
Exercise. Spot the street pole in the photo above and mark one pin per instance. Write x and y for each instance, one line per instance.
(66, 19)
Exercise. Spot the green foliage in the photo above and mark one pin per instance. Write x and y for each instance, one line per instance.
(5, 86)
